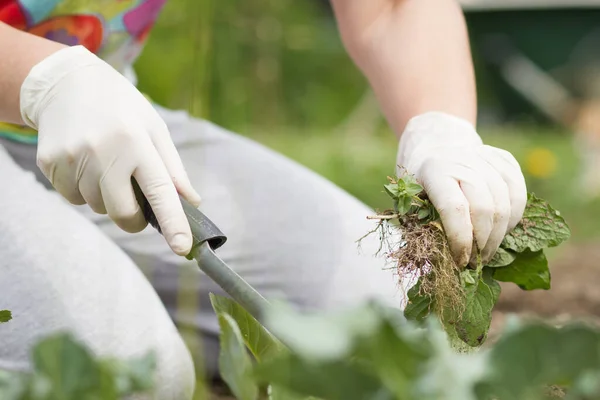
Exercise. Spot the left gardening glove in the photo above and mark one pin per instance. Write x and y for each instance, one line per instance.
(96, 132)
(478, 190)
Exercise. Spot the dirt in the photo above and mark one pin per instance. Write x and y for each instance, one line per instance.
(574, 294)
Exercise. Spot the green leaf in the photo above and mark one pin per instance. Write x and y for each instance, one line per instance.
(392, 190)
(351, 354)
(541, 227)
(423, 213)
(234, 363)
(279, 393)
(334, 380)
(404, 205)
(13, 385)
(65, 369)
(418, 306)
(534, 355)
(488, 278)
(502, 258)
(413, 189)
(468, 277)
(5, 316)
(68, 366)
(258, 339)
(133, 376)
(473, 323)
(586, 386)
(529, 271)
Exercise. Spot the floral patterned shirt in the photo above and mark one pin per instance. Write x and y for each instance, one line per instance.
(115, 30)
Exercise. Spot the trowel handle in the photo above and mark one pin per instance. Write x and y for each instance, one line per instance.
(203, 229)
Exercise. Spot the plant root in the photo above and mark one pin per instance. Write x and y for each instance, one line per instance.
(422, 252)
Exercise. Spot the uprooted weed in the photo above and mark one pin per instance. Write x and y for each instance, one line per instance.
(413, 241)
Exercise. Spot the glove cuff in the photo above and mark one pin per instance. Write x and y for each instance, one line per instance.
(435, 129)
(46, 74)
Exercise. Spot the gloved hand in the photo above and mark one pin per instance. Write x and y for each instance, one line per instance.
(96, 131)
(478, 190)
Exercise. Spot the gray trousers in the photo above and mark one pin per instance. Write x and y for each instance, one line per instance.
(291, 235)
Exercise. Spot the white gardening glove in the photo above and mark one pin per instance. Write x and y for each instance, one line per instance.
(96, 132)
(478, 190)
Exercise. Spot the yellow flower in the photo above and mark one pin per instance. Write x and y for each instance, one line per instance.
(540, 162)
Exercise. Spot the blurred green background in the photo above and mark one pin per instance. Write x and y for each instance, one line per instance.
(275, 71)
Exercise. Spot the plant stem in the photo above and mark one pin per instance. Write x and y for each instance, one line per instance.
(383, 217)
(233, 284)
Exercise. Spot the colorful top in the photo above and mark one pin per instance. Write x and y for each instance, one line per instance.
(115, 30)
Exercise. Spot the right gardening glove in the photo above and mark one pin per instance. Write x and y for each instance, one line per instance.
(478, 190)
(95, 132)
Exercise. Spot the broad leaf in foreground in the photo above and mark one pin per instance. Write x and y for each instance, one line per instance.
(69, 367)
(235, 366)
(532, 356)
(259, 340)
(363, 347)
(65, 369)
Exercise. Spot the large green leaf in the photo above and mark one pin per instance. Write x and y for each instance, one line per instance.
(259, 340)
(70, 369)
(472, 324)
(333, 380)
(535, 355)
(365, 345)
(541, 227)
(5, 316)
(235, 366)
(529, 271)
(65, 369)
(279, 393)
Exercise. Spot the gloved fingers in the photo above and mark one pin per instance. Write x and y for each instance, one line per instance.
(119, 198)
(453, 207)
(90, 190)
(502, 210)
(61, 175)
(510, 171)
(168, 152)
(481, 204)
(156, 184)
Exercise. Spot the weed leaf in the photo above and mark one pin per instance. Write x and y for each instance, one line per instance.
(235, 366)
(529, 271)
